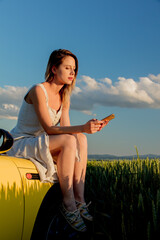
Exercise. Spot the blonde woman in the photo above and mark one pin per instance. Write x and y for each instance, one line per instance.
(59, 151)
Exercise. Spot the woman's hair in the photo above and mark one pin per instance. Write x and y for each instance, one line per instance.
(56, 59)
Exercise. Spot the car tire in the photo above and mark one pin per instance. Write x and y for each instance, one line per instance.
(50, 224)
(59, 229)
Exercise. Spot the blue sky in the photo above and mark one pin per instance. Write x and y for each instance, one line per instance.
(117, 44)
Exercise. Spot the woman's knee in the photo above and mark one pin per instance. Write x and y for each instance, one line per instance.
(69, 141)
(82, 139)
(59, 142)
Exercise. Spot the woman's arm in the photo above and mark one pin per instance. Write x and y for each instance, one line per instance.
(65, 119)
(37, 98)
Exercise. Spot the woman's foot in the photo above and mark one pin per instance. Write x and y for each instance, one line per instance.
(84, 212)
(74, 219)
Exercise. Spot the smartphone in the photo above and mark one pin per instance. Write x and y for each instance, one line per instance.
(110, 117)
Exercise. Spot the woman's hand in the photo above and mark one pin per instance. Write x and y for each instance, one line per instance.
(94, 126)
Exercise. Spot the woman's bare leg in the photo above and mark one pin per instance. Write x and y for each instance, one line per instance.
(64, 147)
(80, 169)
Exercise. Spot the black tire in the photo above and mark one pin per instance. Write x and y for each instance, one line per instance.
(47, 211)
(59, 229)
(50, 224)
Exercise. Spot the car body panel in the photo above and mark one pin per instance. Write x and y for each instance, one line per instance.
(11, 200)
(20, 198)
(34, 192)
(23, 163)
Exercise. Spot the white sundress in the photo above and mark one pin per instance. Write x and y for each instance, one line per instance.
(32, 142)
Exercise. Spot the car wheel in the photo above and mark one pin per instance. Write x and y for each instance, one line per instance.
(59, 229)
(50, 224)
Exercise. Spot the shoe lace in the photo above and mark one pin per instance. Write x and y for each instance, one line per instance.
(76, 216)
(85, 206)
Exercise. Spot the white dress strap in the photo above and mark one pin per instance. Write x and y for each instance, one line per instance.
(45, 92)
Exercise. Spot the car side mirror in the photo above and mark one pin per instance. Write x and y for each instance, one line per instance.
(6, 141)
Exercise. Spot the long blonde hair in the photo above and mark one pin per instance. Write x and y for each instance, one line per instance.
(56, 59)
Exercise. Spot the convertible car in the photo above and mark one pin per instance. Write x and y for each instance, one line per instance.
(28, 208)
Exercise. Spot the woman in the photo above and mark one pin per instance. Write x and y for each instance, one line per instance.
(59, 152)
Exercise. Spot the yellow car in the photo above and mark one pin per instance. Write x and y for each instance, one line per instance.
(28, 208)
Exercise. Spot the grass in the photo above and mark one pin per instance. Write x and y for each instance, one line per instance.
(125, 197)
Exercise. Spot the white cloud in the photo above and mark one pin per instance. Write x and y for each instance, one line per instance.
(10, 107)
(76, 90)
(91, 83)
(144, 93)
(155, 78)
(89, 113)
(10, 101)
(107, 80)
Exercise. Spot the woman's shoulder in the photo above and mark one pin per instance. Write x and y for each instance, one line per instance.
(37, 88)
(34, 92)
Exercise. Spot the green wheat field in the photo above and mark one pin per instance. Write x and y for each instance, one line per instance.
(125, 196)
